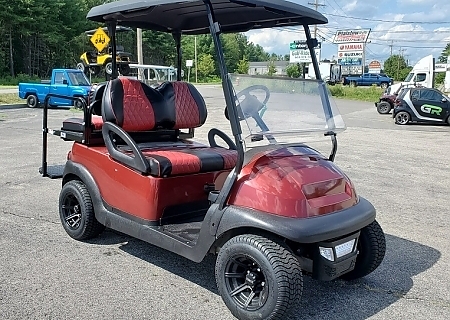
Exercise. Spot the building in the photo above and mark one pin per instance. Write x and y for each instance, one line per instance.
(262, 68)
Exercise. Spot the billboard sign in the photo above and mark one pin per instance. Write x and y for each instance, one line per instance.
(344, 47)
(299, 52)
(351, 36)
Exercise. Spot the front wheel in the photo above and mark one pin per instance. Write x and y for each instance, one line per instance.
(352, 84)
(371, 250)
(258, 278)
(402, 118)
(76, 212)
(109, 68)
(384, 85)
(384, 107)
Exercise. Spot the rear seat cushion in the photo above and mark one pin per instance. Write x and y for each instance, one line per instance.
(77, 124)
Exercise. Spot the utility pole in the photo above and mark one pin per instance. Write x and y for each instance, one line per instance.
(195, 57)
(140, 54)
(316, 4)
(391, 45)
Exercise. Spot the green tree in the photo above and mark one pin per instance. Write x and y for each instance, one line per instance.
(394, 67)
(206, 69)
(242, 66)
(445, 53)
(293, 70)
(271, 69)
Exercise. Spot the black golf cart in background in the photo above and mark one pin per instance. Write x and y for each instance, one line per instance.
(269, 205)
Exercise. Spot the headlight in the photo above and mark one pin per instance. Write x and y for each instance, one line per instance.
(327, 253)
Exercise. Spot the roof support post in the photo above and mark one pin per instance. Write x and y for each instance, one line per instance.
(230, 100)
(177, 38)
(112, 32)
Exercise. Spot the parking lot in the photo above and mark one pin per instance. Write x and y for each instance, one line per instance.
(403, 170)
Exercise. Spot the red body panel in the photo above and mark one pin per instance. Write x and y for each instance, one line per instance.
(141, 196)
(294, 182)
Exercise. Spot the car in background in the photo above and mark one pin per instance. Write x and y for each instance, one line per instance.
(368, 79)
(64, 82)
(389, 98)
(422, 105)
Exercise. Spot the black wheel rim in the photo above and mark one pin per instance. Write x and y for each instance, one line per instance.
(246, 283)
(383, 108)
(71, 212)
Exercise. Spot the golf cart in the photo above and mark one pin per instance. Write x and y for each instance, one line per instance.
(94, 61)
(270, 206)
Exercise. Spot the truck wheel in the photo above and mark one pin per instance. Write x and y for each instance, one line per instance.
(108, 68)
(258, 278)
(371, 250)
(384, 85)
(402, 118)
(32, 101)
(352, 84)
(78, 104)
(77, 212)
(384, 107)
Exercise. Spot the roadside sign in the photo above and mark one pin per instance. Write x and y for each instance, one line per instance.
(189, 63)
(100, 39)
(299, 52)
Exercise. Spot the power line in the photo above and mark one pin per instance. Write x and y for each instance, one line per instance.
(381, 20)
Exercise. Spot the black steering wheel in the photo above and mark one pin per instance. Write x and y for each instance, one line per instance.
(216, 132)
(251, 104)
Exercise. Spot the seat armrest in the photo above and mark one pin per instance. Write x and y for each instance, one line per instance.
(138, 161)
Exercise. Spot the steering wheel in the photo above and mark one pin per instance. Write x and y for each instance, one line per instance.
(251, 104)
(216, 132)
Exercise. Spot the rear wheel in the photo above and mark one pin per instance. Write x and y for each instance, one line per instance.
(402, 118)
(371, 251)
(77, 212)
(32, 101)
(384, 107)
(258, 278)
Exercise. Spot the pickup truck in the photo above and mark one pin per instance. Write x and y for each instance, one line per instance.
(64, 82)
(368, 79)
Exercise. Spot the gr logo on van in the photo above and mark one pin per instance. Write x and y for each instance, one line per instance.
(428, 108)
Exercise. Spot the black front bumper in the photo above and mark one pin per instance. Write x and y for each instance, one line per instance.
(309, 230)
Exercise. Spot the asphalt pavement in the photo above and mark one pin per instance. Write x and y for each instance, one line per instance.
(44, 274)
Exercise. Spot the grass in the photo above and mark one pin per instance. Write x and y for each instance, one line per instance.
(10, 98)
(7, 87)
(356, 93)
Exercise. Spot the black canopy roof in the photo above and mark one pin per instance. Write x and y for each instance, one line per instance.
(190, 16)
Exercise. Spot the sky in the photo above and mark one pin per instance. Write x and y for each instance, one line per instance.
(412, 28)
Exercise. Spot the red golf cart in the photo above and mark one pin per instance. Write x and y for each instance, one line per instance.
(269, 205)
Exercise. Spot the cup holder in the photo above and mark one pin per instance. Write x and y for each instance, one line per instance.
(212, 196)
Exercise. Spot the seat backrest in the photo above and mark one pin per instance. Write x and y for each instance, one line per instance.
(134, 106)
(186, 104)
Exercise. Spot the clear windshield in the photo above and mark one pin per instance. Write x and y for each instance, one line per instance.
(78, 79)
(409, 77)
(280, 110)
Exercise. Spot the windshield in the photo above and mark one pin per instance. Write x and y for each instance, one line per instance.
(284, 110)
(78, 79)
(409, 77)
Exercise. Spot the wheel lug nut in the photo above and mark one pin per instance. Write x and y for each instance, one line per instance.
(263, 283)
(259, 270)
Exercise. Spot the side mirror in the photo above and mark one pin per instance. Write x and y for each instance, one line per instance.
(65, 81)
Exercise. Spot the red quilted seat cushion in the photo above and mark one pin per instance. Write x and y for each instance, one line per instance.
(166, 162)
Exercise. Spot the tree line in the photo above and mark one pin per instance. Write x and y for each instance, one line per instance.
(39, 35)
